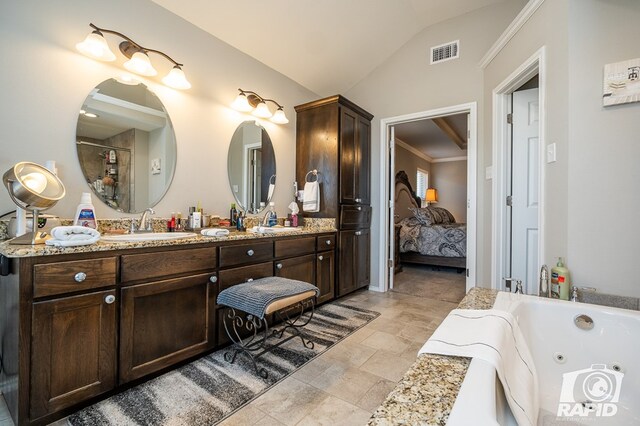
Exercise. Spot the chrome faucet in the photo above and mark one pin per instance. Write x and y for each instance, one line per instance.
(574, 294)
(519, 287)
(544, 290)
(144, 224)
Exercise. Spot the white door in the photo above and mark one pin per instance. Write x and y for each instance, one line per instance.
(525, 191)
(392, 193)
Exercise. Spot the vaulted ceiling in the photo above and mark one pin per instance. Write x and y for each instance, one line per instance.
(326, 46)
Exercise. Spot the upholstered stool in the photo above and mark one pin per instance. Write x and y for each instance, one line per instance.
(247, 305)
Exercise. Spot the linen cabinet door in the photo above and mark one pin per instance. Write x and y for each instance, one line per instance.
(363, 257)
(164, 322)
(325, 275)
(347, 250)
(348, 157)
(363, 164)
(73, 351)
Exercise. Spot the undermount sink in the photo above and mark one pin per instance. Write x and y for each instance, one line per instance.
(151, 236)
(271, 230)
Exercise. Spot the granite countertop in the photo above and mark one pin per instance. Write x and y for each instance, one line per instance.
(426, 393)
(43, 250)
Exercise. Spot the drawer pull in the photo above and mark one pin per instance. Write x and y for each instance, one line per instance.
(320, 257)
(109, 299)
(80, 276)
(328, 242)
(213, 279)
(359, 208)
(358, 233)
(250, 252)
(279, 266)
(358, 200)
(249, 280)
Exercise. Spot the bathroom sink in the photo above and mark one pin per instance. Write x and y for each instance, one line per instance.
(151, 236)
(272, 230)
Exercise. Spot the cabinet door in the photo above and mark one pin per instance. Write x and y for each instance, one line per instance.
(301, 268)
(363, 173)
(325, 275)
(348, 156)
(164, 322)
(353, 252)
(73, 351)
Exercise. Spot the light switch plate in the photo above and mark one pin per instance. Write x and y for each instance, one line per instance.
(488, 172)
(551, 153)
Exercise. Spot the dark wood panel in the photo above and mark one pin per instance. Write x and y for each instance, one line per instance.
(363, 257)
(325, 276)
(295, 247)
(326, 242)
(352, 216)
(301, 268)
(453, 262)
(333, 100)
(354, 260)
(164, 322)
(149, 266)
(245, 253)
(79, 275)
(73, 353)
(363, 173)
(230, 277)
(348, 156)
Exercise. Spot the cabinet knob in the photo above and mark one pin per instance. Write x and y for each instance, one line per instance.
(358, 200)
(213, 279)
(279, 266)
(250, 252)
(328, 242)
(109, 299)
(320, 257)
(249, 280)
(80, 276)
(358, 233)
(359, 208)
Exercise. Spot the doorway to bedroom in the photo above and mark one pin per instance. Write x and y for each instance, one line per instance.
(429, 215)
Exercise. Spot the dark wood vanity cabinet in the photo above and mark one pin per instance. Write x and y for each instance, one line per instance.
(325, 275)
(355, 157)
(355, 260)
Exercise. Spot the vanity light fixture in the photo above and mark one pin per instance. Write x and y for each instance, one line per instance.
(95, 46)
(248, 101)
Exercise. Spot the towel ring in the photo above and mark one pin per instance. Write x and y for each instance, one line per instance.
(313, 172)
(272, 180)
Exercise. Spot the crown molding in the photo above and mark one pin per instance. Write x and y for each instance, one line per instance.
(449, 159)
(527, 12)
(413, 150)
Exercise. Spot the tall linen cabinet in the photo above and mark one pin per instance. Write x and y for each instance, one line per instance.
(333, 137)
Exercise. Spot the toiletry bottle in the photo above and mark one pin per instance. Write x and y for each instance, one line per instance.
(273, 216)
(560, 281)
(197, 220)
(86, 213)
(294, 220)
(172, 222)
(240, 223)
(179, 225)
(233, 215)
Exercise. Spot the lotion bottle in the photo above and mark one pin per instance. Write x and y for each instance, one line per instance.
(86, 213)
(560, 281)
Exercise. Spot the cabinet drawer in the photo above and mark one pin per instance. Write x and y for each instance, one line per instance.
(325, 242)
(295, 247)
(235, 276)
(65, 277)
(245, 253)
(162, 264)
(352, 217)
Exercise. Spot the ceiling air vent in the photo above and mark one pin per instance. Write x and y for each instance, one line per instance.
(445, 52)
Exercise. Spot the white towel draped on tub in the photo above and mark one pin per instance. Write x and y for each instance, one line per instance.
(70, 236)
(493, 336)
(311, 197)
(215, 232)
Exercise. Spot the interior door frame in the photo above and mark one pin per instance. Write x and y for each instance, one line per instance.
(384, 211)
(535, 64)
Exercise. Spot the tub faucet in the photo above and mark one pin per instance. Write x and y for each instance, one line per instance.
(519, 287)
(574, 294)
(543, 290)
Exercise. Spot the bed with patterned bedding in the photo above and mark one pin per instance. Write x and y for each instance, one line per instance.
(447, 239)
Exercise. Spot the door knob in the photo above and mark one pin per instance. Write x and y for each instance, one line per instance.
(80, 276)
(109, 299)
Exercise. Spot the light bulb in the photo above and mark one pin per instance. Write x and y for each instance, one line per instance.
(36, 182)
(262, 111)
(96, 47)
(176, 79)
(279, 117)
(241, 103)
(140, 64)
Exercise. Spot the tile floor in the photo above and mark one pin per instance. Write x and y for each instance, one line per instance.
(346, 384)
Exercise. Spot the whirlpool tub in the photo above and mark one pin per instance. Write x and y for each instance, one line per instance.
(586, 357)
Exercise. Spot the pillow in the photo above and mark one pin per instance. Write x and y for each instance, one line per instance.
(433, 215)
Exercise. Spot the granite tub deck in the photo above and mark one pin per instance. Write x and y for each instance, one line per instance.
(427, 392)
(43, 250)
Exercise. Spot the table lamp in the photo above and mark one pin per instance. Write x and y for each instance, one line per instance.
(431, 196)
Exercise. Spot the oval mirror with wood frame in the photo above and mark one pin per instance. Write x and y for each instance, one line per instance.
(126, 146)
(251, 166)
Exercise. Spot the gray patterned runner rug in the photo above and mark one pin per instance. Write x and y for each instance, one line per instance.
(209, 389)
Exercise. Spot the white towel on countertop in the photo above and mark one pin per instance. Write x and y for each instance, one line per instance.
(215, 232)
(311, 198)
(71, 236)
(493, 336)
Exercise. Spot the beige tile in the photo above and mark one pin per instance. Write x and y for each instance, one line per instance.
(416, 333)
(359, 335)
(387, 342)
(354, 354)
(313, 369)
(388, 365)
(411, 353)
(387, 325)
(290, 400)
(249, 415)
(336, 412)
(376, 395)
(349, 384)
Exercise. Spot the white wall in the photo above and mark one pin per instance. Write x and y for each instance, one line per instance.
(45, 80)
(604, 150)
(410, 163)
(450, 179)
(406, 83)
